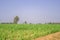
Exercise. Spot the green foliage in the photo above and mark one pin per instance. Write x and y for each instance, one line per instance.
(26, 31)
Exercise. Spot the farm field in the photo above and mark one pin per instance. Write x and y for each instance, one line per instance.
(26, 31)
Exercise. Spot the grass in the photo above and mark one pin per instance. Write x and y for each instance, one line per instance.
(26, 31)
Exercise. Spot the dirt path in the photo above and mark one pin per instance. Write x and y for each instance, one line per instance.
(54, 36)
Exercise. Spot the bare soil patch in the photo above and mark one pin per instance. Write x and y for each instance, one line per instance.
(54, 36)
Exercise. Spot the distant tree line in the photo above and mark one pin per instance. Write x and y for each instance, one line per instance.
(6, 23)
(16, 19)
(53, 23)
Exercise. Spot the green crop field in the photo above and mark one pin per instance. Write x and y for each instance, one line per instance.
(26, 31)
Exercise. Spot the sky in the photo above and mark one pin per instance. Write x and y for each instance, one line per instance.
(32, 11)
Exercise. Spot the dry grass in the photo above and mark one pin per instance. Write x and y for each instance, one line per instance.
(54, 36)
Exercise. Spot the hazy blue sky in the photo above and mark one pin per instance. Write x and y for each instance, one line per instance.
(32, 11)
